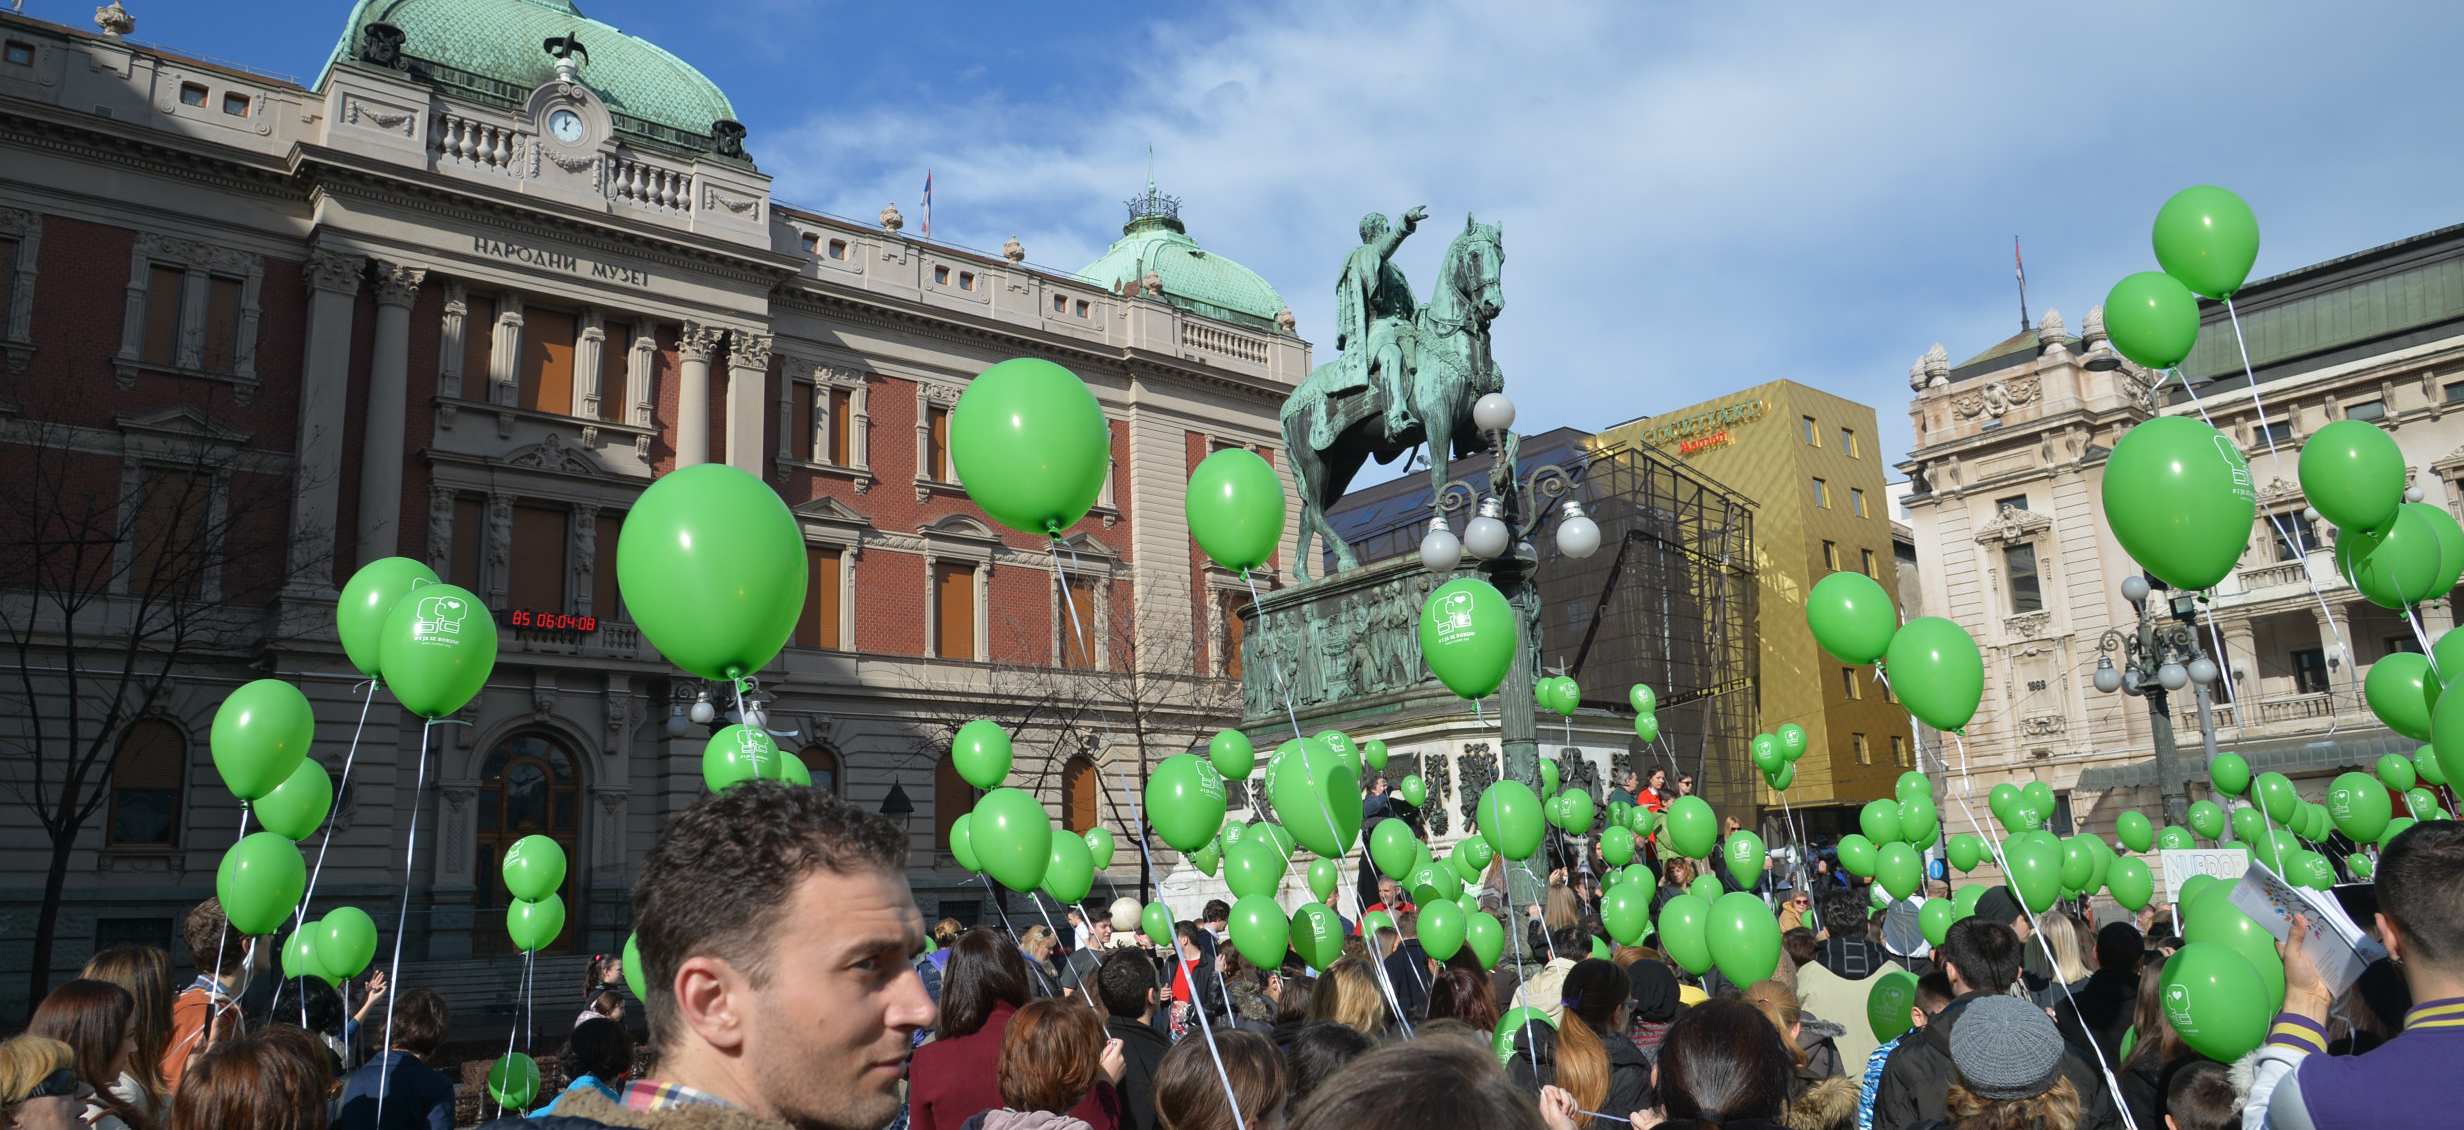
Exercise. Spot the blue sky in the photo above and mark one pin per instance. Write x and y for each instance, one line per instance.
(1696, 197)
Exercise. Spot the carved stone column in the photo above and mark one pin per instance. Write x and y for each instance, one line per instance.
(693, 350)
(440, 529)
(451, 922)
(325, 375)
(748, 374)
(499, 571)
(380, 461)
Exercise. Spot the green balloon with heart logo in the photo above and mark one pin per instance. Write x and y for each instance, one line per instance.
(740, 753)
(2178, 498)
(438, 648)
(1889, 1002)
(1316, 934)
(534, 867)
(1260, 930)
(2214, 998)
(1467, 635)
(368, 599)
(1185, 801)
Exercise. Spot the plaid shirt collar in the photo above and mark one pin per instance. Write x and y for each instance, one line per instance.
(650, 1094)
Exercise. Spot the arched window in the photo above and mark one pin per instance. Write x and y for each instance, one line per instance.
(145, 785)
(823, 765)
(1080, 785)
(529, 785)
(953, 797)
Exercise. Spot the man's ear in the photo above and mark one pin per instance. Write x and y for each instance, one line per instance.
(710, 998)
(2390, 936)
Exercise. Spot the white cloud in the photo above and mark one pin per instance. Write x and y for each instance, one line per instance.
(1697, 198)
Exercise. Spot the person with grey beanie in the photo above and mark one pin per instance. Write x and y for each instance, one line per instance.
(1929, 1081)
(2008, 1051)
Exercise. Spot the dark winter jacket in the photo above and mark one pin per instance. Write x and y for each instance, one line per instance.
(1408, 970)
(1916, 1080)
(1629, 1075)
(2102, 1012)
(1142, 1051)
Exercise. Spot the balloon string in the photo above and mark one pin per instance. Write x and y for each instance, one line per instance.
(2036, 922)
(1523, 989)
(1137, 807)
(997, 908)
(223, 940)
(496, 1093)
(1084, 998)
(1060, 577)
(301, 918)
(402, 918)
(1274, 665)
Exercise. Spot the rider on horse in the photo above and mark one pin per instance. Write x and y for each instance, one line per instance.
(1373, 319)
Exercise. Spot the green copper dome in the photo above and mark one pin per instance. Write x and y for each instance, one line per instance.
(492, 51)
(1194, 279)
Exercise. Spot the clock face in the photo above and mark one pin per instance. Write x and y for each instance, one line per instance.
(566, 125)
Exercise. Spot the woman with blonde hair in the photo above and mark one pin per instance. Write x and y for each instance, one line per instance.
(38, 1084)
(1347, 994)
(1815, 1071)
(1038, 946)
(2052, 981)
(145, 971)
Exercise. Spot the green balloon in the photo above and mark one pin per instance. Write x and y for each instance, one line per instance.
(1260, 930)
(1548, 780)
(2277, 796)
(1232, 755)
(1431, 882)
(1323, 878)
(740, 753)
(1467, 635)
(1641, 698)
(2248, 824)
(1880, 821)
(635, 971)
(2177, 495)
(2213, 919)
(981, 753)
(1580, 811)
(1283, 841)
(1691, 826)
(2137, 833)
(2207, 819)
(2152, 319)
(260, 736)
(1899, 869)
(2359, 865)
(1099, 847)
(1768, 756)
(1912, 784)
(1316, 935)
(1745, 857)
(1964, 899)
(1478, 850)
(1013, 837)
(2396, 567)
(1745, 939)
(2039, 796)
(1707, 887)
(793, 771)
(513, 1080)
(1511, 1028)
(2036, 872)
(534, 867)
(300, 957)
(1858, 855)
(2446, 740)
(1486, 938)
(1069, 871)
(2230, 774)
(1393, 848)
(2358, 804)
(1415, 791)
(2310, 869)
(1935, 918)
(1851, 617)
(1156, 918)
(962, 845)
(1185, 802)
(1251, 867)
(2078, 862)
(2450, 544)
(2422, 803)
(1625, 912)
(1647, 727)
(438, 648)
(2207, 237)
(1965, 851)
(1641, 820)
(2131, 883)
(2007, 805)
(534, 923)
(345, 941)
(1373, 753)
(260, 882)
(1510, 819)
(2174, 837)
(2426, 768)
(1937, 671)
(1785, 777)
(298, 805)
(2395, 827)
(2353, 474)
(1792, 737)
(1031, 446)
(1890, 1004)
(1685, 922)
(1235, 507)
(359, 618)
(1317, 795)
(1441, 929)
(2212, 998)
(712, 567)
(1617, 846)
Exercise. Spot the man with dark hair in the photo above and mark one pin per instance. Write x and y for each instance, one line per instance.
(2201, 1097)
(1126, 984)
(402, 1085)
(1080, 974)
(225, 962)
(1408, 968)
(1981, 958)
(775, 927)
(1846, 951)
(2399, 1083)
(1216, 919)
(2094, 1018)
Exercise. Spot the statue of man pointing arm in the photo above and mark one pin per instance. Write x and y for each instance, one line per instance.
(1373, 316)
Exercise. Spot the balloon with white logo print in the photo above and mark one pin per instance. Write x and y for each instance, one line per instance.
(438, 649)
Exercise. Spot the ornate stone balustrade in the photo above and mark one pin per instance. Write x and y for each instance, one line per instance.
(1213, 339)
(470, 143)
(635, 181)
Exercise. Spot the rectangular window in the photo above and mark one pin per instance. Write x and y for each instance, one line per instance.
(2014, 502)
(1078, 626)
(2310, 671)
(235, 105)
(616, 364)
(966, 280)
(1848, 683)
(2019, 564)
(539, 565)
(1856, 501)
(2060, 822)
(2455, 391)
(222, 325)
(1830, 556)
(954, 610)
(800, 421)
(1812, 432)
(478, 342)
(163, 289)
(819, 625)
(20, 53)
(2402, 643)
(941, 276)
(1899, 750)
(1234, 630)
(2296, 528)
(169, 532)
(1083, 308)
(838, 249)
(145, 787)
(470, 535)
(812, 243)
(937, 445)
(1822, 494)
(1869, 564)
(2366, 410)
(192, 94)
(838, 427)
(2279, 432)
(606, 602)
(1848, 442)
(547, 361)
(1060, 305)
(1865, 753)
(8, 279)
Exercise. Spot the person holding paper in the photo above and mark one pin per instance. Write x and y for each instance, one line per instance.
(2294, 1086)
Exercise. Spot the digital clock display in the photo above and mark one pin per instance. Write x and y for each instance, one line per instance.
(550, 621)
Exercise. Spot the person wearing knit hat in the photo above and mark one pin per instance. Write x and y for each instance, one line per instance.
(2009, 1054)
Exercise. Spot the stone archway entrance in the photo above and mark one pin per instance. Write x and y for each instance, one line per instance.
(530, 784)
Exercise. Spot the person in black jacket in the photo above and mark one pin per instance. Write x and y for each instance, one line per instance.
(1981, 957)
(1408, 969)
(1126, 982)
(2094, 1018)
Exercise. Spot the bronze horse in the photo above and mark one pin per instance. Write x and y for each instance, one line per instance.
(1330, 434)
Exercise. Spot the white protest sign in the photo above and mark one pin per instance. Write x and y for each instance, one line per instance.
(2180, 864)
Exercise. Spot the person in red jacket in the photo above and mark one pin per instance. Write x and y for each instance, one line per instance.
(957, 1075)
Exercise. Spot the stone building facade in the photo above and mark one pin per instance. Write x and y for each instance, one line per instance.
(461, 299)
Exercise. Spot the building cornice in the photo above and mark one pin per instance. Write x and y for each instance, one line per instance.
(88, 140)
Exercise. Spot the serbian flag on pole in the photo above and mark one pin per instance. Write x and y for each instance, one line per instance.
(928, 202)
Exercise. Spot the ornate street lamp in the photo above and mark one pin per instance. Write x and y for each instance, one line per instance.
(2159, 658)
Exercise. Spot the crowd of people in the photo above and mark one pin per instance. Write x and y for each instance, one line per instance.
(780, 944)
